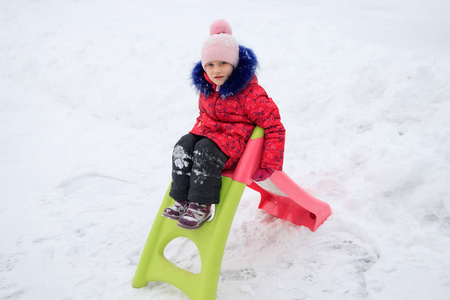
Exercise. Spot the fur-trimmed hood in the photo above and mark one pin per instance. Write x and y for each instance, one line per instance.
(240, 77)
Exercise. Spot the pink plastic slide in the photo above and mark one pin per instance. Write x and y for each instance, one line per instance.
(280, 195)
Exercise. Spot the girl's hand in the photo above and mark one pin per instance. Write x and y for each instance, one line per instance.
(262, 174)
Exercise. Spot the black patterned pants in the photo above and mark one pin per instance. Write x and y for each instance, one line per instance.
(197, 164)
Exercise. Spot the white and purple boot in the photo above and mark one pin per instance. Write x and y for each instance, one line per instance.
(176, 211)
(196, 215)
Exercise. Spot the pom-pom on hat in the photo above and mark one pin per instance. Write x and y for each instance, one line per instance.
(220, 45)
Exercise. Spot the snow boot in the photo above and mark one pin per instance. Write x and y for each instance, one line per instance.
(176, 211)
(196, 215)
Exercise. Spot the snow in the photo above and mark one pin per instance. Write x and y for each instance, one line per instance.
(94, 94)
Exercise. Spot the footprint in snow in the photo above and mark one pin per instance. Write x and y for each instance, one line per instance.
(238, 275)
(342, 259)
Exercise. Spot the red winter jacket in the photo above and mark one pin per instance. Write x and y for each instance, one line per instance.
(229, 116)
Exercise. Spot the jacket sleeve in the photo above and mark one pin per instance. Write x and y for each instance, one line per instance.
(263, 111)
(198, 121)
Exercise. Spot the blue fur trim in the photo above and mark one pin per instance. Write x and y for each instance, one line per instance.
(240, 77)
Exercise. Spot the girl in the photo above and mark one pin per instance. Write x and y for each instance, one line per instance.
(231, 104)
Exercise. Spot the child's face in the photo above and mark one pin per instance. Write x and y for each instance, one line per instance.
(218, 71)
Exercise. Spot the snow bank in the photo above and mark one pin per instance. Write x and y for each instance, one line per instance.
(95, 93)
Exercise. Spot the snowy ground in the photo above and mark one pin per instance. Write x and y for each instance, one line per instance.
(93, 95)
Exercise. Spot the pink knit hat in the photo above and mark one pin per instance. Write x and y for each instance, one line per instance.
(220, 45)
